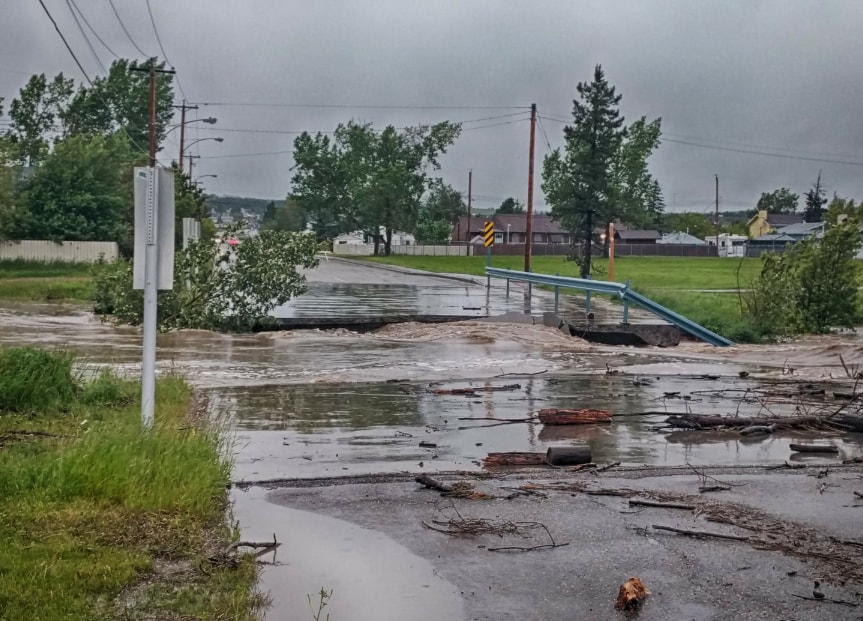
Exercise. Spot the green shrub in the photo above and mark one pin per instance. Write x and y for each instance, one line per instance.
(108, 390)
(811, 288)
(35, 380)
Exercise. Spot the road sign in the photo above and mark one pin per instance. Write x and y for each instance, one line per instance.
(488, 234)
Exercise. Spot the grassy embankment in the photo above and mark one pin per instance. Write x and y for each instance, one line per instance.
(671, 281)
(41, 281)
(100, 520)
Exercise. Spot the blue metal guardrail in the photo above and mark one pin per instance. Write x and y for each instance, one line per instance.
(611, 288)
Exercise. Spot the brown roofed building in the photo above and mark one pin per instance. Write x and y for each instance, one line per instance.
(635, 236)
(512, 229)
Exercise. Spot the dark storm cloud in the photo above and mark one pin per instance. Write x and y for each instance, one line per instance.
(751, 75)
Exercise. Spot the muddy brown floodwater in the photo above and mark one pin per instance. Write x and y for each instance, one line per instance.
(327, 404)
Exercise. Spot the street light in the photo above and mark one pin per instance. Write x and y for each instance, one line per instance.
(193, 156)
(210, 120)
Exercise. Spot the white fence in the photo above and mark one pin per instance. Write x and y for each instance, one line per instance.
(66, 252)
(367, 250)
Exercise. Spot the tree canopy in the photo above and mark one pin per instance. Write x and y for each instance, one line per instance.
(782, 200)
(510, 205)
(362, 179)
(603, 166)
(815, 201)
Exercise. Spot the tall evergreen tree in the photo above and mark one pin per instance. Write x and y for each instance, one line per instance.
(581, 179)
(655, 205)
(815, 201)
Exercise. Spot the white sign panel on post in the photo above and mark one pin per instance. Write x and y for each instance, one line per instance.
(163, 204)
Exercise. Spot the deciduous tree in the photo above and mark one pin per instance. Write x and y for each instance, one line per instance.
(782, 200)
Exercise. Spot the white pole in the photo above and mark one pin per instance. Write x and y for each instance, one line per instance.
(151, 293)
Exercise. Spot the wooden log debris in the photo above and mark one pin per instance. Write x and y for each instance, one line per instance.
(854, 422)
(757, 430)
(555, 416)
(514, 458)
(814, 448)
(432, 483)
(706, 421)
(475, 389)
(568, 455)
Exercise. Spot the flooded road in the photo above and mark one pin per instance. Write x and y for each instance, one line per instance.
(310, 404)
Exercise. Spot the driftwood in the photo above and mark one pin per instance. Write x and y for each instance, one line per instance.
(475, 390)
(568, 455)
(573, 417)
(699, 533)
(514, 458)
(713, 488)
(853, 460)
(854, 422)
(705, 421)
(757, 429)
(431, 483)
(814, 448)
(636, 502)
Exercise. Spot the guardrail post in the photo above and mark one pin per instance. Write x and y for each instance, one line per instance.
(626, 307)
(556, 295)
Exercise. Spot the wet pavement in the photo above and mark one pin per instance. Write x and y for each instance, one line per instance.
(351, 407)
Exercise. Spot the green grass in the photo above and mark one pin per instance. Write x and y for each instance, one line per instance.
(41, 281)
(670, 281)
(91, 508)
(42, 269)
(643, 272)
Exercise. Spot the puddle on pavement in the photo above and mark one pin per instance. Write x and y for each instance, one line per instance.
(372, 577)
(336, 429)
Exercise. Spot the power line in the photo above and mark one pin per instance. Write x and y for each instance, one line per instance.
(123, 26)
(357, 106)
(297, 132)
(763, 153)
(65, 42)
(84, 34)
(753, 150)
(93, 30)
(162, 49)
(542, 127)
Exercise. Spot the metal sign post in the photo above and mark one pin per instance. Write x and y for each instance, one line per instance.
(153, 267)
(488, 241)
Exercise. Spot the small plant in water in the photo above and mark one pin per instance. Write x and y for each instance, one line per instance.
(324, 599)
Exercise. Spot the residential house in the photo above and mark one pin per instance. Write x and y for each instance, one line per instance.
(680, 238)
(782, 237)
(763, 222)
(636, 236)
(511, 229)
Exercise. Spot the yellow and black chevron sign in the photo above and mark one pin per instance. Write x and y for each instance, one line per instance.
(488, 234)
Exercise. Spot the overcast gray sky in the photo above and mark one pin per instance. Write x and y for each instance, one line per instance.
(772, 76)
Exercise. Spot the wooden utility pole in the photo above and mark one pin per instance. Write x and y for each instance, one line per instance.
(717, 215)
(152, 71)
(182, 108)
(469, 200)
(529, 225)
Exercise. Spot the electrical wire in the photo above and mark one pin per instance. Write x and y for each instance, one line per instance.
(84, 35)
(123, 26)
(751, 150)
(295, 132)
(93, 30)
(65, 42)
(542, 127)
(358, 106)
(162, 49)
(763, 153)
